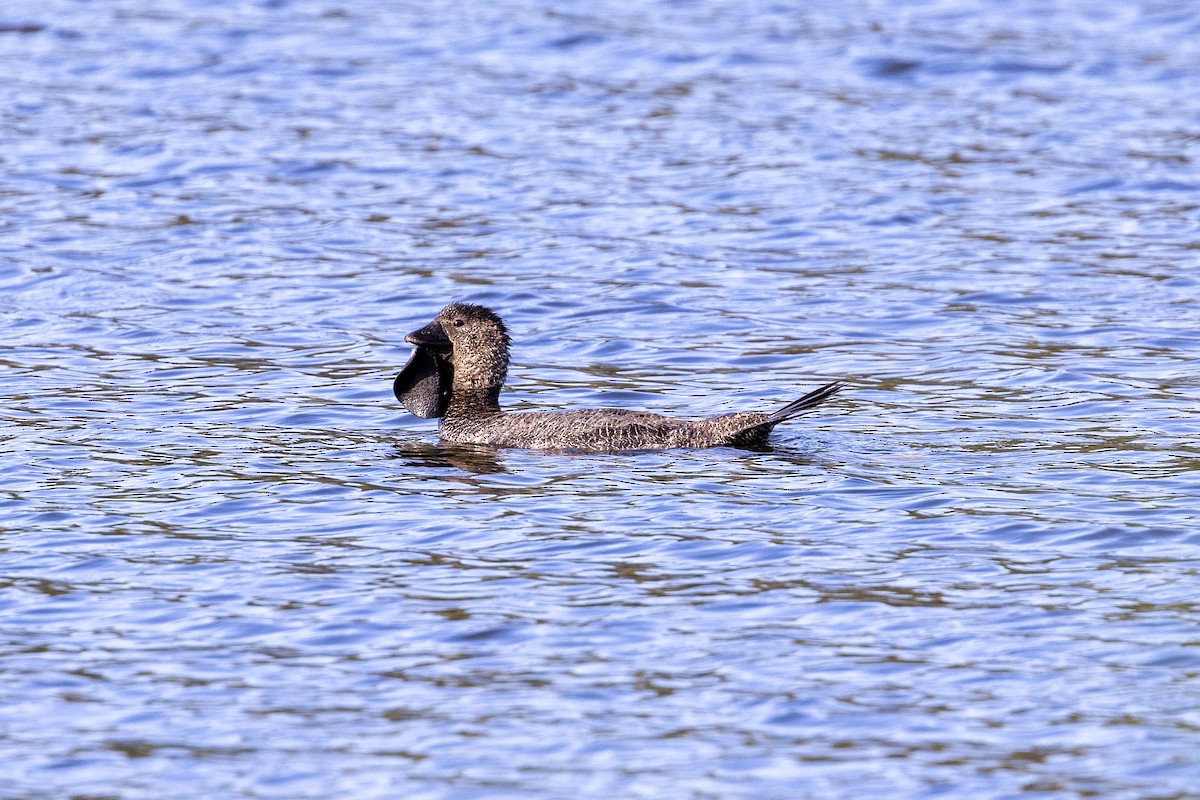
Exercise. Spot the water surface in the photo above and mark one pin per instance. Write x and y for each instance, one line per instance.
(232, 566)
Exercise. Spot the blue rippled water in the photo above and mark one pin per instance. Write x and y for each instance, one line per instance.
(232, 566)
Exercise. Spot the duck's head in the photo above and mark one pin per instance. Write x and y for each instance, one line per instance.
(465, 348)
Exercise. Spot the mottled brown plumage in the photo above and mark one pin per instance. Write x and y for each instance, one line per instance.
(461, 362)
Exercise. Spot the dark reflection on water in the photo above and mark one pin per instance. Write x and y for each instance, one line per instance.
(232, 567)
(484, 460)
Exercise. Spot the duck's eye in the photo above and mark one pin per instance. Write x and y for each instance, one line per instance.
(458, 323)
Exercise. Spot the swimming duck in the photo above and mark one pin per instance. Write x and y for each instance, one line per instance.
(461, 361)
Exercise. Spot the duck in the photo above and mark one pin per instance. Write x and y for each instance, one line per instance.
(459, 365)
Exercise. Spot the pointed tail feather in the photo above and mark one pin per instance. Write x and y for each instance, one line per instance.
(756, 434)
(806, 403)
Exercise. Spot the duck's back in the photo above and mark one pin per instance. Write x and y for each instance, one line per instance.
(593, 429)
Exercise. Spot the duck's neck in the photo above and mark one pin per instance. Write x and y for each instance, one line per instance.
(473, 402)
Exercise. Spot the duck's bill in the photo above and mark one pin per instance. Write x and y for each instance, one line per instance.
(423, 385)
(431, 337)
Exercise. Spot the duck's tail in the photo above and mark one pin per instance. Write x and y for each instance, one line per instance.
(756, 434)
(805, 403)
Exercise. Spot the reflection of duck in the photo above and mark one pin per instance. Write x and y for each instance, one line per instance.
(473, 458)
(460, 364)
